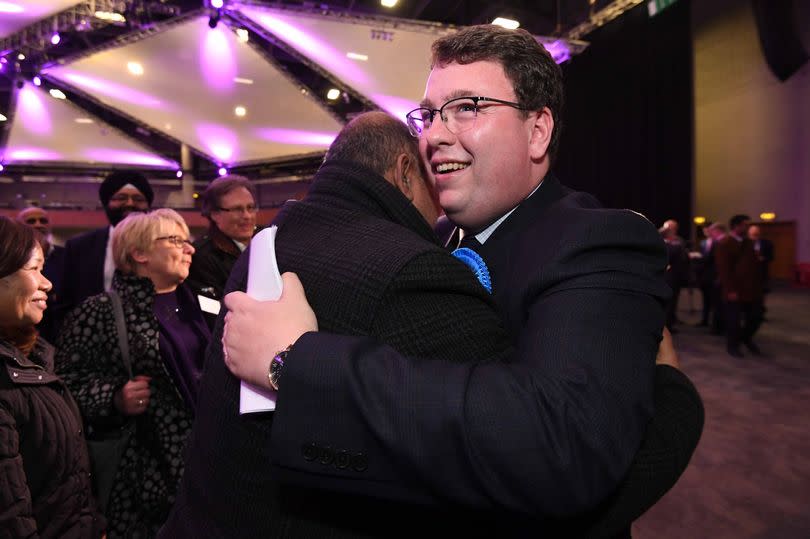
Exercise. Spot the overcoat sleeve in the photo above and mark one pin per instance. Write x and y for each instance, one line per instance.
(16, 512)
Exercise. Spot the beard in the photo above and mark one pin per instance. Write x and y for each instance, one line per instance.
(116, 215)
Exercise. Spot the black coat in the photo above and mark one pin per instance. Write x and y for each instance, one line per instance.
(549, 433)
(89, 360)
(371, 266)
(45, 488)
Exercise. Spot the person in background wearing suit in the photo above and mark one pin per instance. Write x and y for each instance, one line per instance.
(89, 264)
(677, 275)
(738, 270)
(229, 204)
(552, 431)
(362, 245)
(38, 219)
(707, 278)
(764, 250)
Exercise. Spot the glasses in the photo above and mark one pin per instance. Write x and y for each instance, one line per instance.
(177, 241)
(137, 199)
(458, 114)
(239, 209)
(35, 220)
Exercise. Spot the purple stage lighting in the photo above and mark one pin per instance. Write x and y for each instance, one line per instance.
(218, 61)
(32, 154)
(56, 38)
(33, 114)
(220, 141)
(110, 89)
(179, 174)
(297, 137)
(110, 155)
(1, 167)
(222, 171)
(216, 4)
(558, 50)
(37, 81)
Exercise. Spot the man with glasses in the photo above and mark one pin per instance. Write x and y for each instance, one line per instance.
(89, 264)
(578, 423)
(38, 219)
(229, 204)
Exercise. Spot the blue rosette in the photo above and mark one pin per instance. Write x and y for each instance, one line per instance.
(477, 264)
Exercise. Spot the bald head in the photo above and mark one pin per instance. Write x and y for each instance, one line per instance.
(754, 233)
(382, 143)
(38, 219)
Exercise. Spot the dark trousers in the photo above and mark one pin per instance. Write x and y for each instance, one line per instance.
(672, 306)
(742, 320)
(707, 292)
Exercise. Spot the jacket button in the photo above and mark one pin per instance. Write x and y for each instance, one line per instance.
(360, 462)
(342, 459)
(327, 455)
(310, 451)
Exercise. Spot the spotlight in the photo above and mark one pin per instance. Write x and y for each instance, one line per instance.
(388, 3)
(1, 167)
(242, 35)
(56, 38)
(37, 81)
(222, 171)
(179, 174)
(57, 94)
(216, 4)
(240, 111)
(3, 117)
(509, 24)
(21, 57)
(332, 94)
(135, 68)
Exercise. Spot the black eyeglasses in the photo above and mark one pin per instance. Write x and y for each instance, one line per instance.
(250, 208)
(137, 199)
(458, 114)
(177, 241)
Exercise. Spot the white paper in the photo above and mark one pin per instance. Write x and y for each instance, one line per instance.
(208, 305)
(264, 284)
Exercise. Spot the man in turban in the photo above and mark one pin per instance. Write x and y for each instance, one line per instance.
(88, 262)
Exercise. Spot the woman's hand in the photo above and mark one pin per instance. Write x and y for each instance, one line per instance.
(133, 398)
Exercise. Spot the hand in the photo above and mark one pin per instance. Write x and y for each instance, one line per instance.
(133, 398)
(666, 352)
(256, 330)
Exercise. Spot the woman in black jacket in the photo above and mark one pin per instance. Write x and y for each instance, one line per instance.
(44, 470)
(167, 337)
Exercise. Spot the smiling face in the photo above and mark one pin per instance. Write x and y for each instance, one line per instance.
(165, 263)
(24, 293)
(485, 171)
(235, 214)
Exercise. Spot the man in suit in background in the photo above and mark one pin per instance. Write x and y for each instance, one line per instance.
(764, 249)
(738, 270)
(677, 275)
(39, 220)
(552, 431)
(88, 263)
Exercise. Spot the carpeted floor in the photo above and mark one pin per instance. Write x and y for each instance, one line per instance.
(750, 475)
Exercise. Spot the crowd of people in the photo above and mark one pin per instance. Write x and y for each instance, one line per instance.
(730, 267)
(538, 393)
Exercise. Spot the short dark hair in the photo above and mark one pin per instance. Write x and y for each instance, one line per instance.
(220, 187)
(535, 76)
(17, 241)
(374, 140)
(737, 219)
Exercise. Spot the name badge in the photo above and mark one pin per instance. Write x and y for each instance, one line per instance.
(208, 305)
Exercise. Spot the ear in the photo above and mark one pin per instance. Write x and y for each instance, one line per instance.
(405, 172)
(540, 137)
(138, 256)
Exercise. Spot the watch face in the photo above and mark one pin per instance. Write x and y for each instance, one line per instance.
(275, 371)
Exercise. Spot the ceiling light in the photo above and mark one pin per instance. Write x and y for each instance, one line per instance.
(135, 68)
(195, 196)
(37, 81)
(240, 80)
(222, 171)
(242, 35)
(8, 7)
(168, 127)
(1, 167)
(357, 56)
(179, 174)
(509, 24)
(699, 220)
(84, 121)
(56, 38)
(3, 118)
(767, 216)
(21, 57)
(110, 16)
(216, 4)
(240, 111)
(333, 94)
(388, 3)
(57, 94)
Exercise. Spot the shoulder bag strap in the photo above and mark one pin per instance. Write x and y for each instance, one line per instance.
(121, 328)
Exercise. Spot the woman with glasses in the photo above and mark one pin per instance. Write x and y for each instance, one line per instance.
(229, 204)
(166, 337)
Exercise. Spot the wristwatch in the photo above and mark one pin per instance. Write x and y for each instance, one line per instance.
(277, 367)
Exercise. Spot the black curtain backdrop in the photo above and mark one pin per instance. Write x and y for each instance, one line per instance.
(628, 119)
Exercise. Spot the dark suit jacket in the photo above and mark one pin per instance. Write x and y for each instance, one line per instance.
(765, 256)
(371, 266)
(738, 269)
(549, 433)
